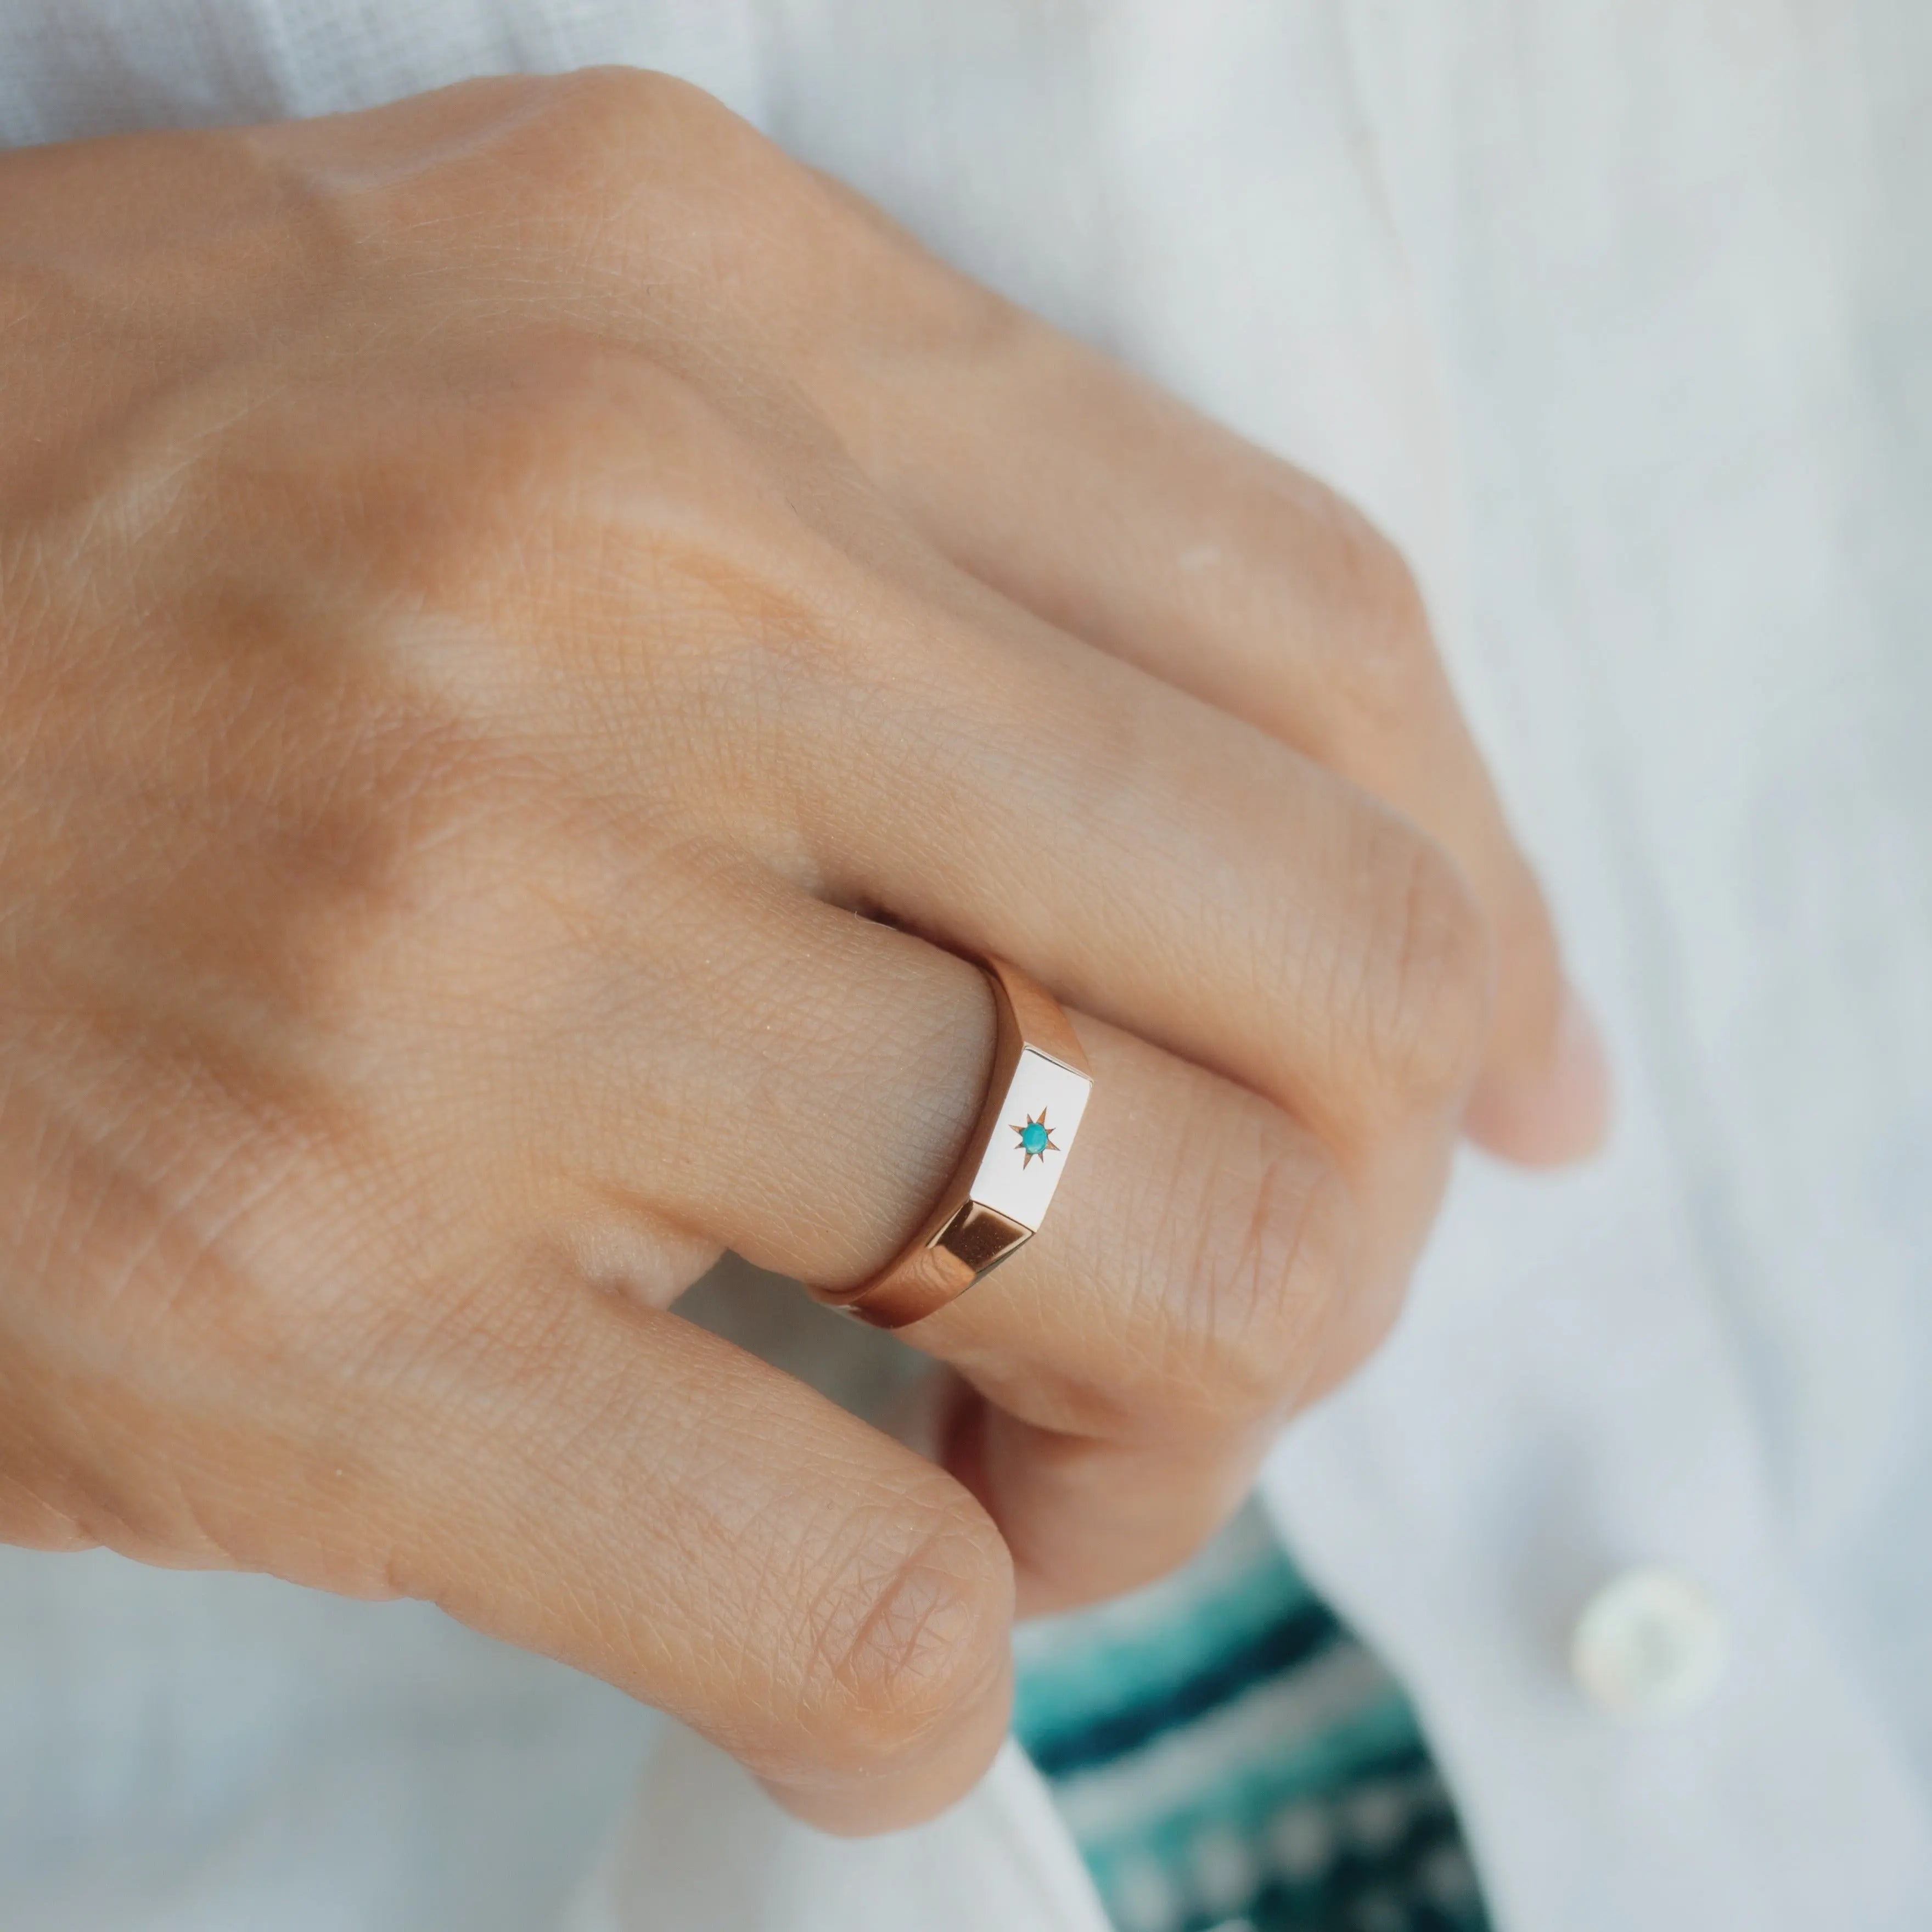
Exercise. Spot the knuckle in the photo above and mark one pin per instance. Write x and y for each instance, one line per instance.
(612, 87)
(615, 107)
(577, 138)
(1275, 1234)
(907, 1628)
(606, 168)
(626, 156)
(1426, 973)
(1382, 655)
(705, 217)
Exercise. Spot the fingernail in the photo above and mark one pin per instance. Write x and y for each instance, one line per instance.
(1558, 1114)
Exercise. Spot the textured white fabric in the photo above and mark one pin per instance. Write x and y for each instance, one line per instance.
(1620, 316)
(999, 1861)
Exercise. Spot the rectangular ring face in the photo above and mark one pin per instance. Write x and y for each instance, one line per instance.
(1037, 1123)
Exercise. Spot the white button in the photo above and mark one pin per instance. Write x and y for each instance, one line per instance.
(1649, 1645)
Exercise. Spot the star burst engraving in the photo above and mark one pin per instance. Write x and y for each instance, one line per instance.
(1036, 1140)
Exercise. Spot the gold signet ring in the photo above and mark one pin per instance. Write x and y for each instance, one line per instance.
(999, 1194)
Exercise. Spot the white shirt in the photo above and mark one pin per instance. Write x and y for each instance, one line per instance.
(1619, 316)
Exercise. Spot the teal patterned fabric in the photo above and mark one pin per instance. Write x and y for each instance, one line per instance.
(1230, 1758)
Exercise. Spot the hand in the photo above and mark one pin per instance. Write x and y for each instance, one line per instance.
(489, 589)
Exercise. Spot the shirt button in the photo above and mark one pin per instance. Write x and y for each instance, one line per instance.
(1649, 1645)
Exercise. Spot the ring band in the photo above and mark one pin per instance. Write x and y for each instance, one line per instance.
(998, 1195)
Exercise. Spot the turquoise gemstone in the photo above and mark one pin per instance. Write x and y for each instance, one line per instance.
(1033, 1137)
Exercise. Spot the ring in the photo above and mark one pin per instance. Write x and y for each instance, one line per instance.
(999, 1194)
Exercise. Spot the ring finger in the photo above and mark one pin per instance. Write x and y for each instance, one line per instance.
(1133, 1358)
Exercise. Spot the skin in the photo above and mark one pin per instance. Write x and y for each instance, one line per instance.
(529, 622)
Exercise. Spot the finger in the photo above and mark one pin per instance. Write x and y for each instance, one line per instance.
(1113, 510)
(603, 1484)
(625, 1492)
(1198, 1277)
(1162, 866)
(1184, 878)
